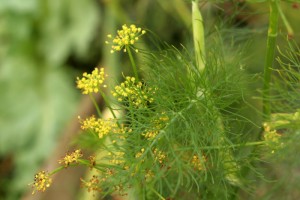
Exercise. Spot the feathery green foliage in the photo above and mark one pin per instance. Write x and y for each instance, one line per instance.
(180, 132)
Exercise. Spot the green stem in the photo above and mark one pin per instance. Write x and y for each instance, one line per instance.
(155, 192)
(271, 46)
(57, 170)
(198, 33)
(286, 22)
(84, 162)
(96, 105)
(132, 63)
(109, 107)
(248, 144)
(81, 161)
(235, 145)
(108, 104)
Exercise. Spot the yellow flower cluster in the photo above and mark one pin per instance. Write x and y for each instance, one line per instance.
(100, 126)
(92, 184)
(151, 134)
(158, 124)
(120, 190)
(197, 163)
(159, 156)
(92, 160)
(42, 181)
(71, 158)
(126, 37)
(149, 175)
(272, 138)
(121, 131)
(90, 83)
(116, 157)
(140, 153)
(134, 92)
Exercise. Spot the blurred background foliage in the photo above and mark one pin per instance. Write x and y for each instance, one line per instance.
(45, 44)
(38, 96)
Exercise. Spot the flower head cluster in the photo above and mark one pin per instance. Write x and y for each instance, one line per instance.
(120, 133)
(149, 175)
(92, 185)
(100, 126)
(140, 153)
(42, 181)
(119, 188)
(197, 163)
(159, 156)
(272, 138)
(151, 134)
(157, 125)
(133, 92)
(92, 160)
(71, 158)
(90, 83)
(116, 157)
(126, 37)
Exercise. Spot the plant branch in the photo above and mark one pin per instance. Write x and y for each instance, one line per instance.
(269, 60)
(155, 192)
(57, 170)
(198, 33)
(286, 22)
(132, 63)
(108, 104)
(218, 147)
(96, 105)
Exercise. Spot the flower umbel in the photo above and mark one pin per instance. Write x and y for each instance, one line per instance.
(100, 126)
(125, 37)
(90, 83)
(157, 125)
(42, 181)
(116, 157)
(197, 163)
(134, 92)
(159, 156)
(272, 138)
(149, 175)
(92, 184)
(71, 158)
(140, 153)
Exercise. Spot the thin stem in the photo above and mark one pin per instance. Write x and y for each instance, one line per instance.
(109, 107)
(96, 105)
(84, 162)
(286, 22)
(81, 161)
(198, 33)
(155, 192)
(237, 145)
(271, 46)
(108, 104)
(132, 63)
(57, 170)
(228, 146)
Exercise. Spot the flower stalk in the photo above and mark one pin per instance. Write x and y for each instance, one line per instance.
(96, 105)
(199, 45)
(198, 33)
(132, 63)
(108, 104)
(285, 21)
(269, 60)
